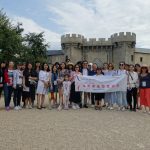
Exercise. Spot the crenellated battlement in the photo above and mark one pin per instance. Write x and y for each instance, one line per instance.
(96, 42)
(79, 39)
(72, 38)
(118, 47)
(123, 37)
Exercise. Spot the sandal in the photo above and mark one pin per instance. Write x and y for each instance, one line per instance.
(96, 107)
(43, 107)
(39, 108)
(100, 108)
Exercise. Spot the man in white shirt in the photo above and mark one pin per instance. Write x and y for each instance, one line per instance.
(85, 72)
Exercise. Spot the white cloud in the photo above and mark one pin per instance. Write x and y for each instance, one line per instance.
(31, 26)
(101, 18)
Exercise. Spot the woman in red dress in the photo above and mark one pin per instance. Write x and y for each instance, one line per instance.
(145, 89)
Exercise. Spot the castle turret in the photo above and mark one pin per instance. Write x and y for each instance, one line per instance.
(123, 47)
(72, 46)
(123, 37)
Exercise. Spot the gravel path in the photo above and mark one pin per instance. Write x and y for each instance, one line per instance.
(84, 129)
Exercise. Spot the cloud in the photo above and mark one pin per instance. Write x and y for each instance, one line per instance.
(30, 25)
(101, 18)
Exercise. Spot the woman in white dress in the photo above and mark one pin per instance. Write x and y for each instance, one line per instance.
(43, 84)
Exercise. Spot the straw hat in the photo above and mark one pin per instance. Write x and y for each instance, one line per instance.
(70, 63)
(144, 65)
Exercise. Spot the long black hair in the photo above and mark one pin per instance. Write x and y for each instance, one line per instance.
(53, 68)
(47, 68)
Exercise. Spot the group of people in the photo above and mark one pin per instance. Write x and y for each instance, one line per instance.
(26, 83)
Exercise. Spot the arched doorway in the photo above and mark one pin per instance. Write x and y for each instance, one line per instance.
(98, 62)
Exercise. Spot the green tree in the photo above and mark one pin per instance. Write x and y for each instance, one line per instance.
(37, 46)
(18, 47)
(10, 38)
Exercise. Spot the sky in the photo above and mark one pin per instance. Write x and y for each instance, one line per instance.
(91, 18)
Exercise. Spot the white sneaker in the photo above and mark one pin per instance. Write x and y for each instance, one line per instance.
(119, 108)
(123, 109)
(19, 107)
(92, 106)
(74, 107)
(111, 108)
(50, 107)
(16, 108)
(66, 108)
(30, 107)
(108, 107)
(60, 108)
(77, 106)
(144, 111)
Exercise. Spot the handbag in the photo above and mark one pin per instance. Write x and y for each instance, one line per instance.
(132, 79)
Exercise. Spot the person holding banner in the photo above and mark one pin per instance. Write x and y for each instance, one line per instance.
(110, 97)
(133, 82)
(145, 89)
(93, 73)
(98, 96)
(86, 72)
(121, 95)
(75, 96)
(105, 70)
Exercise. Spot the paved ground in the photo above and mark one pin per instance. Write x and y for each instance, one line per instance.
(84, 129)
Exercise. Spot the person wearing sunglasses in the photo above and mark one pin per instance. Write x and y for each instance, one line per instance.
(133, 83)
(121, 95)
(93, 72)
(75, 96)
(110, 98)
(86, 72)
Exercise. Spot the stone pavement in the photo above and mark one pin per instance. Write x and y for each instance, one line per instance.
(84, 129)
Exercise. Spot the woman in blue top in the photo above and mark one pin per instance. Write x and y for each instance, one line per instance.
(121, 95)
(54, 87)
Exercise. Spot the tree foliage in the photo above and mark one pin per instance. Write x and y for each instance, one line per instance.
(18, 47)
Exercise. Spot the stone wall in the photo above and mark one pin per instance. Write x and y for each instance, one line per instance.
(145, 58)
(119, 47)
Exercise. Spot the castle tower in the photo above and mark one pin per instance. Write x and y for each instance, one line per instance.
(72, 46)
(123, 47)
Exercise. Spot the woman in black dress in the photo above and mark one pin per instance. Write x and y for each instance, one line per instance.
(29, 85)
(75, 96)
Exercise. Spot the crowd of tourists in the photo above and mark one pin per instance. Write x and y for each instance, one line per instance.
(27, 82)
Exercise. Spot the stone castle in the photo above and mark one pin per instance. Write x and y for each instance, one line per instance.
(119, 47)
